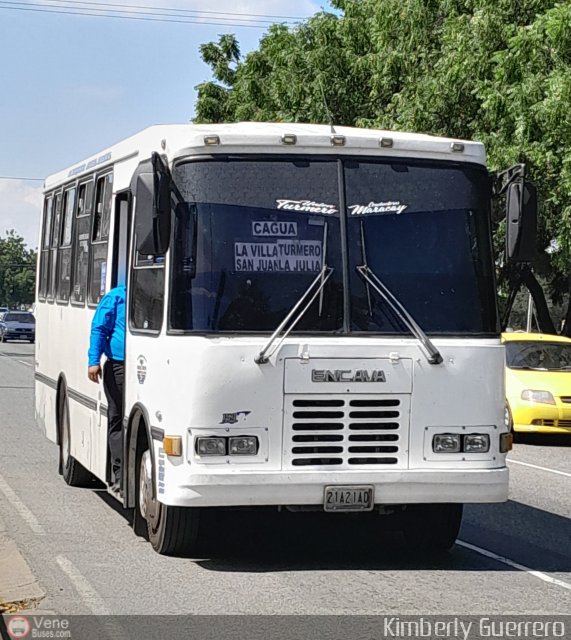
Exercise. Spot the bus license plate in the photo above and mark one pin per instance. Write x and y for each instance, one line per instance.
(349, 498)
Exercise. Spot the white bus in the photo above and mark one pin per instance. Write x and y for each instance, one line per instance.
(311, 324)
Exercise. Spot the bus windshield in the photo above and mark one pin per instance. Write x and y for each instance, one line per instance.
(257, 232)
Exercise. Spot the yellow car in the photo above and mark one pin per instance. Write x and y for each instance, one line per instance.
(538, 382)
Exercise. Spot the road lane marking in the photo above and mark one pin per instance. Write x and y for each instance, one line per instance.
(3, 355)
(111, 629)
(21, 508)
(534, 466)
(515, 565)
(88, 593)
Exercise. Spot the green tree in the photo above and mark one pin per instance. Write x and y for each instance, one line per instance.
(222, 57)
(17, 271)
(498, 71)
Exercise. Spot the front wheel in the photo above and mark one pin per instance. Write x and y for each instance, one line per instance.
(432, 527)
(172, 531)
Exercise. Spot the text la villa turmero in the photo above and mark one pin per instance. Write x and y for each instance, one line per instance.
(282, 256)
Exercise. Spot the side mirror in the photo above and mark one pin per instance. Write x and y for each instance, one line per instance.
(521, 221)
(162, 213)
(151, 187)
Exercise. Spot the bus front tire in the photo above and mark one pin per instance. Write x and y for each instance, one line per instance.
(74, 474)
(432, 527)
(172, 531)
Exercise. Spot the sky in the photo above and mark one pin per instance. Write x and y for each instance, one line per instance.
(72, 85)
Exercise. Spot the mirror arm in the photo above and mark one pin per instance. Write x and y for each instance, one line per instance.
(503, 179)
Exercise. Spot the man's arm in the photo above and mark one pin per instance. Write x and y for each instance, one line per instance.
(101, 330)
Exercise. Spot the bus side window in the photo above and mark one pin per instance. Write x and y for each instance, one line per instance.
(147, 291)
(99, 238)
(55, 229)
(45, 248)
(64, 261)
(147, 298)
(81, 243)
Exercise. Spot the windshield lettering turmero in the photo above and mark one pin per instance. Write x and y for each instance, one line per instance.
(377, 207)
(346, 375)
(306, 206)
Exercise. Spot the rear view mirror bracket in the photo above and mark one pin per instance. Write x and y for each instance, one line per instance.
(503, 179)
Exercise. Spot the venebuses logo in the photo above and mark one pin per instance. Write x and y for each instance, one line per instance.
(18, 627)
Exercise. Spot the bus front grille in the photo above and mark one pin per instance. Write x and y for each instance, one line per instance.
(345, 431)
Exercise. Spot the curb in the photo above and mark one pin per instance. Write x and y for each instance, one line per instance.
(19, 588)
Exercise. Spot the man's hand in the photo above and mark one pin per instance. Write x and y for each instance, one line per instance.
(94, 373)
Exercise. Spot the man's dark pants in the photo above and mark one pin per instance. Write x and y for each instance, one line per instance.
(113, 374)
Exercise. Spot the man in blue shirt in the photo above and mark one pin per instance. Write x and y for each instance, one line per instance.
(108, 337)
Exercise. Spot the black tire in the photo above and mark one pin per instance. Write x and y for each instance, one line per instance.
(432, 527)
(172, 531)
(32, 341)
(74, 474)
(509, 421)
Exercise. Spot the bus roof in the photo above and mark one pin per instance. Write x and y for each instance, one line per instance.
(178, 140)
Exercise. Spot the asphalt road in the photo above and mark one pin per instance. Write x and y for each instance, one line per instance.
(512, 558)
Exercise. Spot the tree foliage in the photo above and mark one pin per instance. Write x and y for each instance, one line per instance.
(17, 271)
(498, 71)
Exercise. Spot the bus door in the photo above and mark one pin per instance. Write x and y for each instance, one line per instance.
(117, 275)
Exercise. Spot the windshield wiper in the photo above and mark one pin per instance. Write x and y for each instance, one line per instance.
(322, 278)
(430, 351)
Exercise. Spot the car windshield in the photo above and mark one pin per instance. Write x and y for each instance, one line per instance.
(528, 354)
(254, 233)
(26, 318)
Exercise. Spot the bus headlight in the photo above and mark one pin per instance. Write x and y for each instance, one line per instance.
(211, 446)
(477, 443)
(243, 446)
(446, 443)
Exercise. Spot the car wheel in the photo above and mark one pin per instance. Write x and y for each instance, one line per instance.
(508, 420)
